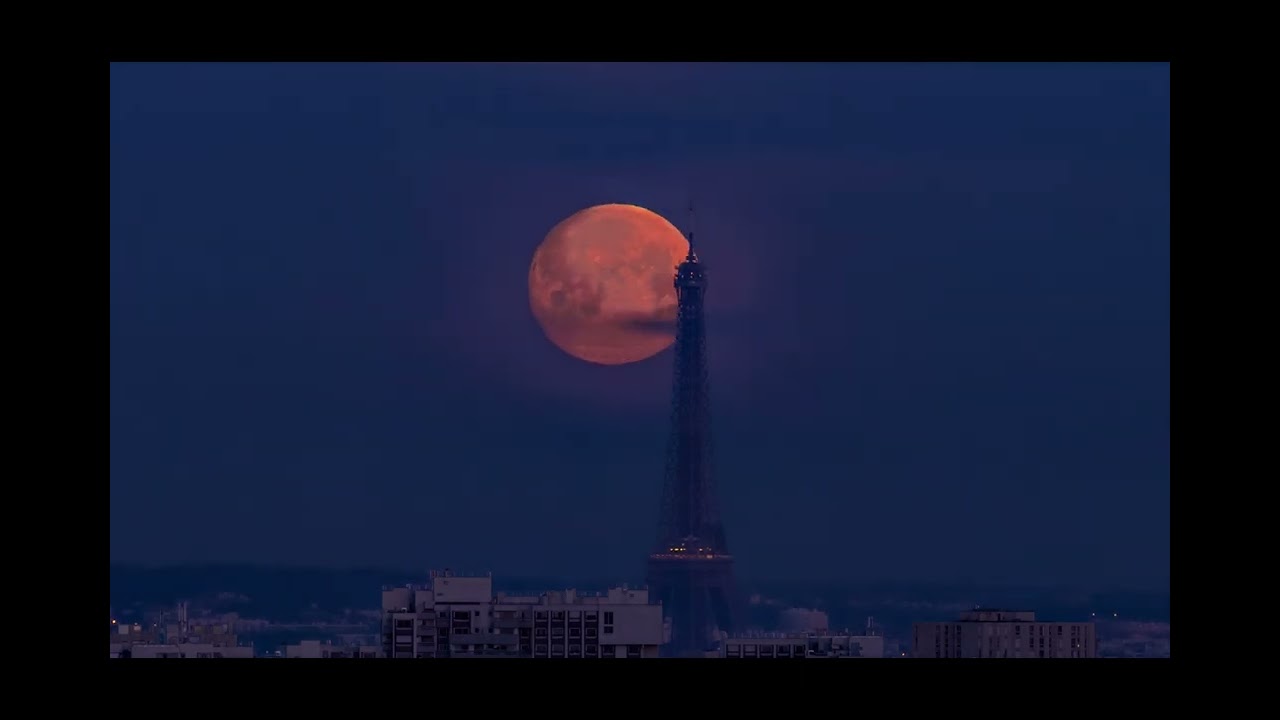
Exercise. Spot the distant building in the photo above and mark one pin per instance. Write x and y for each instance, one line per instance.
(1129, 648)
(813, 645)
(1004, 634)
(1131, 639)
(318, 649)
(458, 616)
(130, 633)
(205, 637)
(181, 650)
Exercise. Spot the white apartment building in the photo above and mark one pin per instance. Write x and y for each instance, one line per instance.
(319, 649)
(458, 616)
(812, 645)
(1003, 634)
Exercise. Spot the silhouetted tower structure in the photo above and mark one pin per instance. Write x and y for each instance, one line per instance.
(691, 570)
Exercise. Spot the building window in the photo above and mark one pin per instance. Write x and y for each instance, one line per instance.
(608, 618)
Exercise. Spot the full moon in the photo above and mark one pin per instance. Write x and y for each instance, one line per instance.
(600, 284)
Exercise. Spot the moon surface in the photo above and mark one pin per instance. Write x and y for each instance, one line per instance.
(600, 284)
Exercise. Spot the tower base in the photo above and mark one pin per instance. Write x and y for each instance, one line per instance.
(697, 596)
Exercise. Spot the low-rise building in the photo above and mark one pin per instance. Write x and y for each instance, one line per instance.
(1003, 634)
(811, 645)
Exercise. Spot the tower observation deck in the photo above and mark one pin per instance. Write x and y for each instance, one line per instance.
(691, 570)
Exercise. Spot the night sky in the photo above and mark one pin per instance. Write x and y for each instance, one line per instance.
(938, 317)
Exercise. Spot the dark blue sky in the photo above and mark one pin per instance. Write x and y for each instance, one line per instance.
(939, 316)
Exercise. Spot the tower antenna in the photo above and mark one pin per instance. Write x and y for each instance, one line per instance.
(693, 225)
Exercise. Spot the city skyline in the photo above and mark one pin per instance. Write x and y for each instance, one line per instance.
(938, 335)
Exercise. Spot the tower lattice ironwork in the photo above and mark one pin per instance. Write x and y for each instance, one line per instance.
(691, 570)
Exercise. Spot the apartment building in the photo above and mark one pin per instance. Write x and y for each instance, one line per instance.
(459, 616)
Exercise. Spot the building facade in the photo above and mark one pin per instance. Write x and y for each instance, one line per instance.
(815, 645)
(458, 616)
(1003, 634)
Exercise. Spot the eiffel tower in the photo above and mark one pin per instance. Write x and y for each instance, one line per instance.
(691, 571)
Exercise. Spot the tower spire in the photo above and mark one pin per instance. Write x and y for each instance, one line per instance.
(693, 222)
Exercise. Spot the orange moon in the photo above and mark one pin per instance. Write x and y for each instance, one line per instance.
(600, 284)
